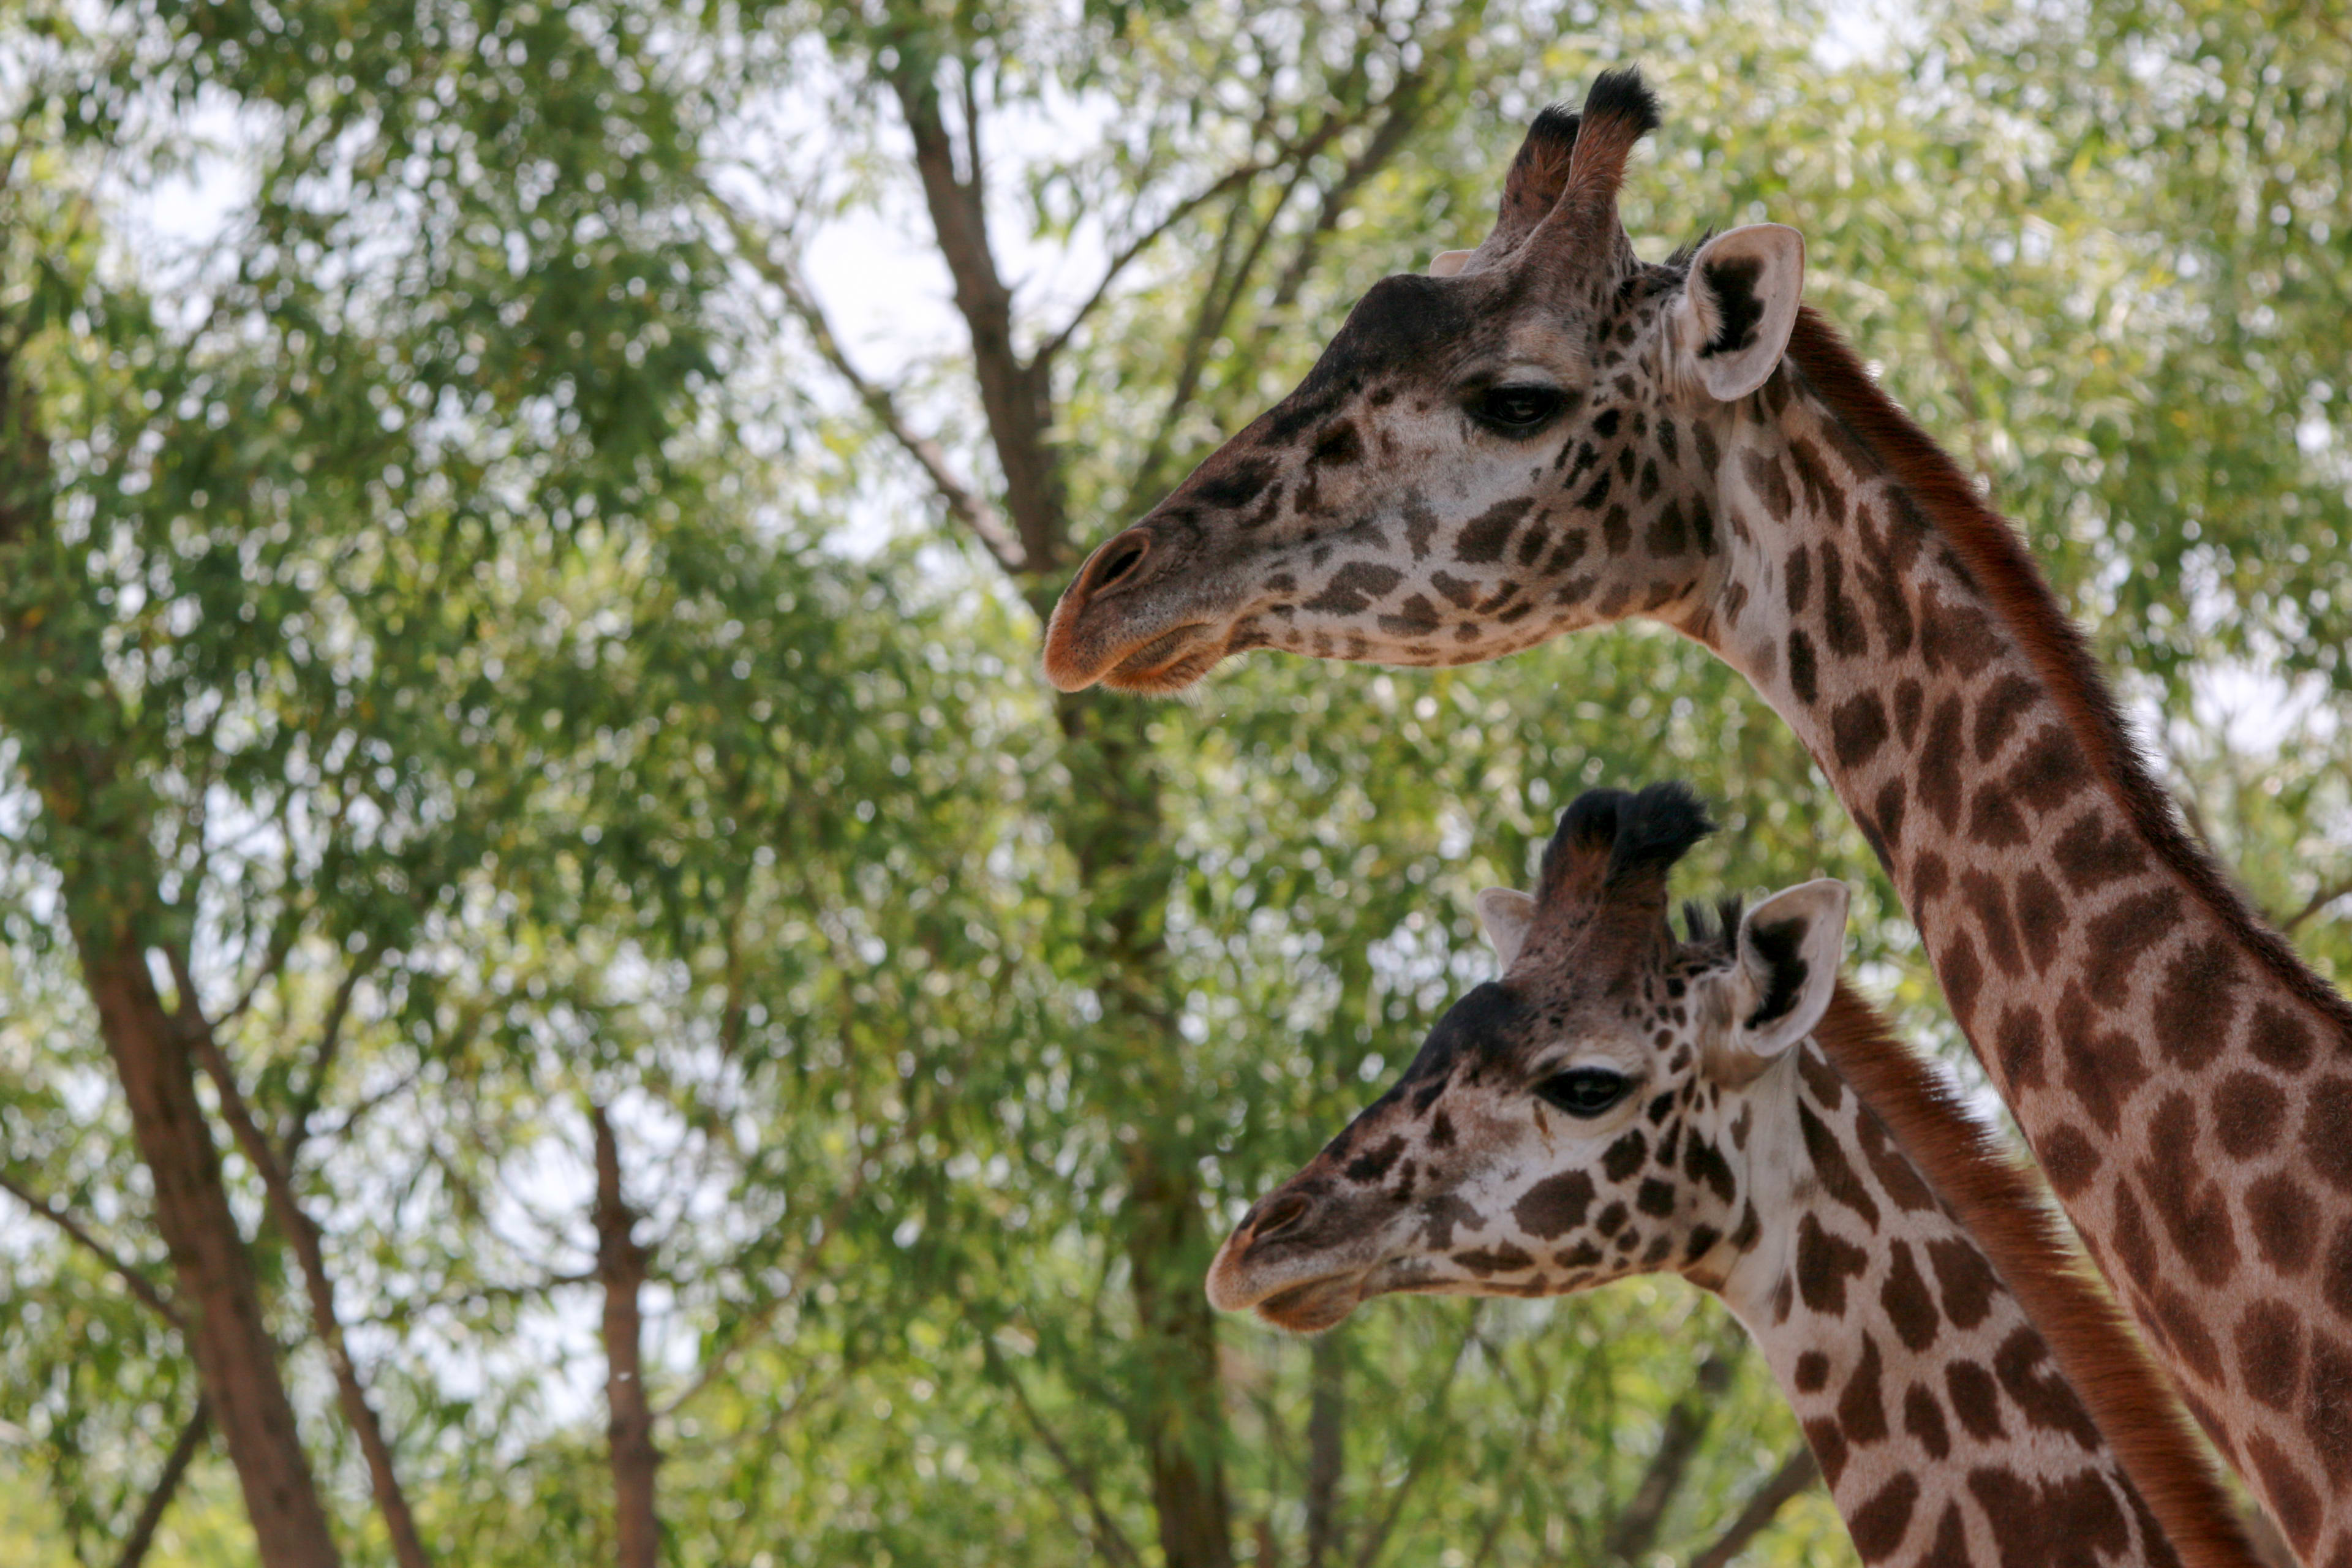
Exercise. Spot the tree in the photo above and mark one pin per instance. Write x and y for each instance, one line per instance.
(553, 712)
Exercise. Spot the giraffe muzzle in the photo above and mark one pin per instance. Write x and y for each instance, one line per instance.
(1273, 1266)
(1133, 622)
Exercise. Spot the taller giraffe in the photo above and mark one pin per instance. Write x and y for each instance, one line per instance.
(1548, 434)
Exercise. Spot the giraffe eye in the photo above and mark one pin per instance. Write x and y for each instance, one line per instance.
(1584, 1091)
(1517, 410)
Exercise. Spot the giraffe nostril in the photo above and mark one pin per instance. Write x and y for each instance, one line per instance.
(1119, 561)
(1281, 1213)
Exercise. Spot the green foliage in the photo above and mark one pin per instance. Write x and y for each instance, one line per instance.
(455, 561)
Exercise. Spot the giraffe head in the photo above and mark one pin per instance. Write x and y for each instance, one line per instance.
(1515, 446)
(1584, 1118)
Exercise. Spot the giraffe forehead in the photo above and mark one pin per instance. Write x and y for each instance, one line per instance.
(1417, 325)
(1490, 1025)
(1501, 1028)
(1413, 329)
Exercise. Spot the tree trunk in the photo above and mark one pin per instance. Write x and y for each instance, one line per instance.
(620, 1267)
(1115, 824)
(1327, 1451)
(1181, 1417)
(237, 1359)
(94, 832)
(1117, 832)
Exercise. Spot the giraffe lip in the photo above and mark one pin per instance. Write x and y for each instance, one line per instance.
(1313, 1305)
(1169, 662)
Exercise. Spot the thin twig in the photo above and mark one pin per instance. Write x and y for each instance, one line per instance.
(1795, 1473)
(1432, 1420)
(138, 1284)
(965, 503)
(167, 1485)
(1108, 1533)
(2327, 894)
(753, 1326)
(361, 1109)
(1232, 178)
(277, 1186)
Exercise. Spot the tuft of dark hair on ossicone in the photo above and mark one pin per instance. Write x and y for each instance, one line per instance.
(1639, 833)
(1554, 130)
(1619, 111)
(1622, 92)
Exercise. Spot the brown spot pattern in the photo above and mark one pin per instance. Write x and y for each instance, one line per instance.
(1825, 1264)
(1861, 1406)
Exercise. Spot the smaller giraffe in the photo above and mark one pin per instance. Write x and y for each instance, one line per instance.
(1623, 1102)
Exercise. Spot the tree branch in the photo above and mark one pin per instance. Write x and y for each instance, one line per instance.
(1233, 180)
(138, 1284)
(1432, 1418)
(167, 1485)
(1406, 102)
(621, 1269)
(1631, 1533)
(1015, 397)
(1218, 301)
(964, 502)
(1108, 1533)
(331, 1036)
(1797, 1472)
(2327, 894)
(451, 1298)
(1229, 280)
(273, 959)
(392, 1502)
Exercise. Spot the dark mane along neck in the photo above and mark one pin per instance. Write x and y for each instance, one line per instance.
(1998, 1204)
(1997, 561)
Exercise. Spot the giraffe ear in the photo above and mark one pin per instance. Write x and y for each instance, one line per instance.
(1505, 915)
(1738, 308)
(1789, 949)
(1446, 263)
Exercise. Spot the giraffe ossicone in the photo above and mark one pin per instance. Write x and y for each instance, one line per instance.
(1717, 1105)
(1554, 438)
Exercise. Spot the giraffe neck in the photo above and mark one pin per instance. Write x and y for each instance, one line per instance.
(2177, 1074)
(1945, 1428)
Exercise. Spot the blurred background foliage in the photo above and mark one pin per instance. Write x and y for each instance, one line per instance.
(521, 532)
